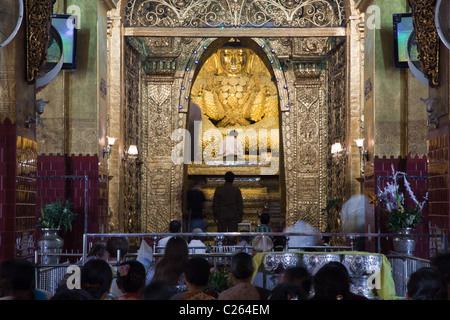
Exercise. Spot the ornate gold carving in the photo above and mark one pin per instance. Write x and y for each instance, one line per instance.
(237, 13)
(304, 139)
(220, 170)
(161, 180)
(82, 136)
(427, 38)
(310, 138)
(417, 138)
(7, 91)
(337, 132)
(234, 90)
(387, 139)
(313, 47)
(38, 21)
(131, 126)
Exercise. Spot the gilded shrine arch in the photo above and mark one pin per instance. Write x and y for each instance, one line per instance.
(299, 46)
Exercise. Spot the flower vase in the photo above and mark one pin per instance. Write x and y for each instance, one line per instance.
(404, 244)
(50, 242)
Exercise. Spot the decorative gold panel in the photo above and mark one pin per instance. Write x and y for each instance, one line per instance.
(161, 182)
(304, 129)
(427, 38)
(131, 126)
(83, 135)
(236, 13)
(38, 21)
(7, 91)
(337, 132)
(306, 167)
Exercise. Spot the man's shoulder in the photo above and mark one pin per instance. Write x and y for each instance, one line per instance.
(221, 187)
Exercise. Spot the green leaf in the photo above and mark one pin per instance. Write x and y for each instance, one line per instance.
(57, 215)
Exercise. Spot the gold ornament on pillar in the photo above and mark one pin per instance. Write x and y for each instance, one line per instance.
(427, 38)
(38, 21)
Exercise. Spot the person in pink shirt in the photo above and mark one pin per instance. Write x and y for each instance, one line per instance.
(241, 277)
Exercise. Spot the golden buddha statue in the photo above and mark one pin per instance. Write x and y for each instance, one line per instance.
(234, 91)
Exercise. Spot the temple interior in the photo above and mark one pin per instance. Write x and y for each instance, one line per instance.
(120, 106)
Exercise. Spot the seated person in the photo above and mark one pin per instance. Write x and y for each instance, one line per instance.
(17, 281)
(262, 279)
(130, 279)
(231, 147)
(196, 245)
(196, 275)
(426, 284)
(287, 291)
(174, 227)
(96, 278)
(264, 219)
(299, 276)
(240, 277)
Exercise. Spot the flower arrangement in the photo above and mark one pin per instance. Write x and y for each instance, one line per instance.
(393, 202)
(57, 215)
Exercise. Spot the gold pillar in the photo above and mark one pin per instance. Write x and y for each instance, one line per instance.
(7, 83)
(389, 89)
(115, 96)
(355, 107)
(162, 179)
(304, 130)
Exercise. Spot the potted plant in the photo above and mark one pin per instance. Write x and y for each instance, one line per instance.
(55, 217)
(400, 218)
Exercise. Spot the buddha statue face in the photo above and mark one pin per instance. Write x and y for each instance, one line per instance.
(233, 60)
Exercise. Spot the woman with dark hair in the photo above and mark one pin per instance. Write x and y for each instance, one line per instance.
(287, 291)
(171, 266)
(331, 282)
(98, 251)
(130, 279)
(196, 274)
(441, 262)
(426, 284)
(17, 281)
(339, 265)
(299, 276)
(96, 278)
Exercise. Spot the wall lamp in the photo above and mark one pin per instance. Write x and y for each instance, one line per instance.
(337, 150)
(107, 149)
(132, 153)
(362, 152)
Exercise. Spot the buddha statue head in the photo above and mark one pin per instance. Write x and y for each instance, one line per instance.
(233, 58)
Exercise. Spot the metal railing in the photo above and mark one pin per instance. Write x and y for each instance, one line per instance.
(48, 277)
(402, 268)
(219, 239)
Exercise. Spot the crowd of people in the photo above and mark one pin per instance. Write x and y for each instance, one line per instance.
(178, 273)
(179, 276)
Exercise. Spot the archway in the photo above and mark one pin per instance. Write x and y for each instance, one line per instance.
(245, 102)
(167, 63)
